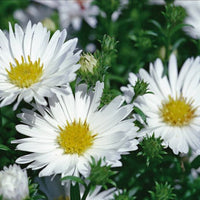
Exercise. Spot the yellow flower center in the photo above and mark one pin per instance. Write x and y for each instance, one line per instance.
(177, 112)
(25, 74)
(75, 138)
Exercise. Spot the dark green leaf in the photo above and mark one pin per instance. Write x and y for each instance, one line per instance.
(75, 192)
(196, 162)
(4, 147)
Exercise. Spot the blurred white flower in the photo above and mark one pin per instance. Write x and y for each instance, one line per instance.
(117, 13)
(193, 18)
(192, 8)
(13, 183)
(90, 48)
(73, 12)
(33, 13)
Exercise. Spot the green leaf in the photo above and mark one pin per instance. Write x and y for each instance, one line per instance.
(178, 43)
(75, 192)
(155, 23)
(4, 147)
(162, 192)
(196, 162)
(152, 33)
(178, 27)
(132, 37)
(138, 111)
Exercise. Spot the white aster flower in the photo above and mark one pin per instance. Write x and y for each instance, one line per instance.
(192, 8)
(32, 64)
(13, 183)
(73, 11)
(173, 110)
(63, 138)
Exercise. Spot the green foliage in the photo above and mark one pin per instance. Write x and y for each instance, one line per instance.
(101, 174)
(108, 96)
(103, 5)
(152, 149)
(162, 192)
(4, 147)
(196, 163)
(34, 193)
(7, 134)
(7, 9)
(166, 35)
(142, 39)
(94, 68)
(174, 15)
(140, 88)
(107, 55)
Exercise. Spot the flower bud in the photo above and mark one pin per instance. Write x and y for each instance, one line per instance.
(88, 63)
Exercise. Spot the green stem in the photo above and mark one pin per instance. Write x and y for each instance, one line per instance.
(106, 82)
(0, 118)
(87, 190)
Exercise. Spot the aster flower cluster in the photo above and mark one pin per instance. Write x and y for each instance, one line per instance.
(118, 121)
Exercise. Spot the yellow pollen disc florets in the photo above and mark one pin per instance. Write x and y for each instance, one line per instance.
(75, 138)
(25, 74)
(177, 112)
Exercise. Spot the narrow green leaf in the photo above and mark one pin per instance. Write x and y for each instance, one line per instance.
(154, 22)
(75, 192)
(178, 43)
(138, 111)
(4, 147)
(178, 27)
(152, 33)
